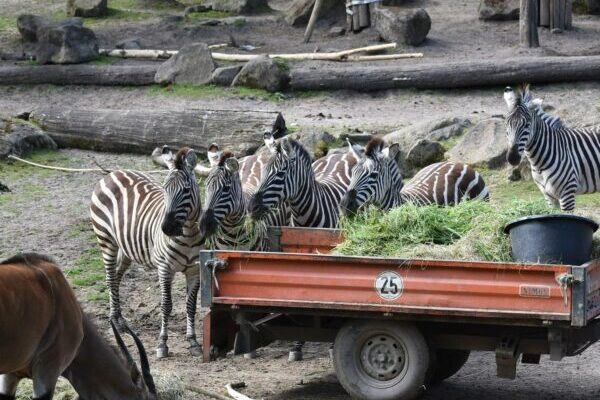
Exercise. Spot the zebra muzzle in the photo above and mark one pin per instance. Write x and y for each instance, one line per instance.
(513, 156)
(349, 205)
(207, 224)
(171, 226)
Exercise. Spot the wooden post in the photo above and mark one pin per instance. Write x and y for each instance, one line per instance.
(528, 24)
(355, 19)
(313, 20)
(569, 14)
(556, 10)
(545, 13)
(363, 16)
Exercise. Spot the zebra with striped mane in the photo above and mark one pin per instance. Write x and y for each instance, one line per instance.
(564, 161)
(377, 180)
(289, 177)
(137, 219)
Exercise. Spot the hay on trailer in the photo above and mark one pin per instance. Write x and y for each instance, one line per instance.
(472, 230)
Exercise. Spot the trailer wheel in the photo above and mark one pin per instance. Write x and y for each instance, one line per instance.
(381, 360)
(447, 363)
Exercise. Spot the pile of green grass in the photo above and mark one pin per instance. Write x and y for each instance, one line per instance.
(472, 230)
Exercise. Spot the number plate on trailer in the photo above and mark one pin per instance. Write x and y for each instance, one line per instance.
(389, 285)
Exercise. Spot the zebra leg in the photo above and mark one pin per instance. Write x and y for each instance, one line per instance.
(552, 201)
(296, 351)
(123, 264)
(165, 278)
(192, 282)
(567, 201)
(111, 258)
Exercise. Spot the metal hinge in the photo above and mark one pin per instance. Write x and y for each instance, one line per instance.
(215, 264)
(566, 281)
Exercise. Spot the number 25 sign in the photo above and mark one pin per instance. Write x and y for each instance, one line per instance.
(389, 285)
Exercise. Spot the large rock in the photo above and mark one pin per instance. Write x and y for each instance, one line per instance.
(434, 130)
(193, 65)
(264, 73)
(409, 27)
(317, 143)
(87, 8)
(424, 153)
(499, 9)
(129, 44)
(66, 42)
(28, 25)
(485, 144)
(238, 6)
(224, 76)
(21, 138)
(299, 11)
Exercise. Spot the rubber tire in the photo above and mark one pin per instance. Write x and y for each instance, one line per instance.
(346, 360)
(447, 363)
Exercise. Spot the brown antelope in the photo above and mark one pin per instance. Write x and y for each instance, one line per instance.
(44, 334)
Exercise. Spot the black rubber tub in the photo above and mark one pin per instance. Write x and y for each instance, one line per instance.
(552, 239)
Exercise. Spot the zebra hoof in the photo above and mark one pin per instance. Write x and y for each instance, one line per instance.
(295, 355)
(162, 352)
(196, 350)
(250, 356)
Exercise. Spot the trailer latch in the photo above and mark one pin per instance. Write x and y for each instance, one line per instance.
(214, 265)
(565, 281)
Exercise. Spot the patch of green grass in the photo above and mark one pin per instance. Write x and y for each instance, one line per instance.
(204, 91)
(239, 22)
(88, 273)
(210, 14)
(15, 170)
(103, 60)
(8, 23)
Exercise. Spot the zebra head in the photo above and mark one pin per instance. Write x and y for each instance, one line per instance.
(376, 178)
(213, 154)
(281, 177)
(180, 190)
(519, 122)
(223, 195)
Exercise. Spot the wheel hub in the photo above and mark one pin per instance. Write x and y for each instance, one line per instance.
(382, 357)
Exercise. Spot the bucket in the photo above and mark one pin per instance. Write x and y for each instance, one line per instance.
(551, 239)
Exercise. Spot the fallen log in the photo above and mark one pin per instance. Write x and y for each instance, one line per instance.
(447, 75)
(81, 74)
(140, 131)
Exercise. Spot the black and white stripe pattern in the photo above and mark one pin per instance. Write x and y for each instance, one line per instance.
(377, 180)
(137, 219)
(564, 161)
(289, 177)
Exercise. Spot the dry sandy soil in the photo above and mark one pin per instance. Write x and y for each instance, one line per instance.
(48, 210)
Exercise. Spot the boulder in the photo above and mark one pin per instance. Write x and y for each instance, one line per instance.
(409, 27)
(66, 42)
(435, 130)
(224, 76)
(21, 138)
(424, 153)
(317, 143)
(87, 8)
(264, 73)
(238, 6)
(28, 25)
(499, 9)
(129, 44)
(299, 11)
(485, 144)
(193, 65)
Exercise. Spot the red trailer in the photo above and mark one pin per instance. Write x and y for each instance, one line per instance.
(396, 324)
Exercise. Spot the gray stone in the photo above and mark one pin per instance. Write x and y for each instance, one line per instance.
(87, 8)
(129, 44)
(28, 25)
(435, 130)
(193, 65)
(66, 42)
(238, 6)
(499, 9)
(264, 73)
(22, 138)
(196, 8)
(424, 153)
(298, 13)
(409, 27)
(317, 143)
(336, 31)
(485, 144)
(224, 76)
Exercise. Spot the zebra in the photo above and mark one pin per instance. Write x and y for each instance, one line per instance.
(377, 180)
(289, 177)
(564, 161)
(135, 219)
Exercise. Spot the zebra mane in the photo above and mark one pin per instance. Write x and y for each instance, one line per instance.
(553, 121)
(180, 157)
(225, 156)
(374, 146)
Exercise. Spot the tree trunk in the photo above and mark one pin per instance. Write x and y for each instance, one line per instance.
(112, 75)
(447, 75)
(140, 131)
(528, 21)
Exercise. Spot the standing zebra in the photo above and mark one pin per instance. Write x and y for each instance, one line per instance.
(377, 180)
(135, 219)
(564, 161)
(289, 177)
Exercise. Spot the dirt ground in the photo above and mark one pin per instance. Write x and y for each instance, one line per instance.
(48, 211)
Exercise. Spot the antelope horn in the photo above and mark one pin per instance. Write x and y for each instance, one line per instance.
(121, 344)
(148, 379)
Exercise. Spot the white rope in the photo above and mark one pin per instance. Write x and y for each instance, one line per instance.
(104, 171)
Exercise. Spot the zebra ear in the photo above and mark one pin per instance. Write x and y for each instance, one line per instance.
(232, 165)
(213, 154)
(168, 156)
(510, 97)
(269, 141)
(393, 151)
(286, 148)
(535, 104)
(191, 159)
(357, 150)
